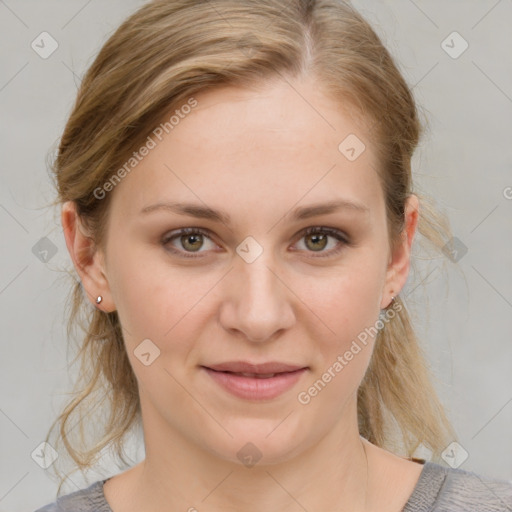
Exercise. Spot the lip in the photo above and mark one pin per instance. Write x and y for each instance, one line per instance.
(246, 367)
(255, 388)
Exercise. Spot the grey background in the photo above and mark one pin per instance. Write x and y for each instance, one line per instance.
(464, 161)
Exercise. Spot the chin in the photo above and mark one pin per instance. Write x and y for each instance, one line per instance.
(255, 444)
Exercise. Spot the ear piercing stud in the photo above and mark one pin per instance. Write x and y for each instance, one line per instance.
(99, 298)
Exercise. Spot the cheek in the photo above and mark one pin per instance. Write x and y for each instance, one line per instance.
(348, 306)
(157, 300)
(346, 309)
(347, 301)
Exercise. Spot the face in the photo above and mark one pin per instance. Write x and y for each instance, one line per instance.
(253, 286)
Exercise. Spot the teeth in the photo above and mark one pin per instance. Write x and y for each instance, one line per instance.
(257, 375)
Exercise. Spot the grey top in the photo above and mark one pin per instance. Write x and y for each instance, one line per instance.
(439, 489)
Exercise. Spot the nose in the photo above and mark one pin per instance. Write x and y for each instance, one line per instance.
(256, 300)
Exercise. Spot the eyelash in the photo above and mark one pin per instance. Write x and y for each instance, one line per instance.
(308, 231)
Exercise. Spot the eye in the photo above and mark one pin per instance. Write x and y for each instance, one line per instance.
(192, 240)
(316, 239)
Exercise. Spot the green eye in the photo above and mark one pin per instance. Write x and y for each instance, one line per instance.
(317, 239)
(190, 239)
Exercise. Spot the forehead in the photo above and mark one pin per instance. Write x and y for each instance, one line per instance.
(244, 150)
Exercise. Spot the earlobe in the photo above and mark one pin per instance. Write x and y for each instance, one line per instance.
(87, 258)
(399, 264)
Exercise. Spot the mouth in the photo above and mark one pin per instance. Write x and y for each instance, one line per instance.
(255, 382)
(254, 375)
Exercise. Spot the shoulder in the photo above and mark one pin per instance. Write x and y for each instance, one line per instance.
(444, 489)
(89, 499)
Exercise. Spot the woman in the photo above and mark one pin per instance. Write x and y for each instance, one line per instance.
(237, 202)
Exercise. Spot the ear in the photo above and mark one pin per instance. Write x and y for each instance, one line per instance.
(87, 258)
(399, 262)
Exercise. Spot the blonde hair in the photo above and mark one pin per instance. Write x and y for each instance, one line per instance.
(159, 58)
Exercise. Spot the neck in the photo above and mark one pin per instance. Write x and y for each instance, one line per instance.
(331, 474)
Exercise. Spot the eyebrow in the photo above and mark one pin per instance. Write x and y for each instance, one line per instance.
(305, 212)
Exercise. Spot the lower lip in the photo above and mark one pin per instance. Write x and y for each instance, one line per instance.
(252, 388)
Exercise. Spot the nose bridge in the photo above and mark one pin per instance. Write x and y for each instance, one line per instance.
(260, 305)
(259, 281)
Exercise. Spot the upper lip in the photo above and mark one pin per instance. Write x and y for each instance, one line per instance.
(245, 367)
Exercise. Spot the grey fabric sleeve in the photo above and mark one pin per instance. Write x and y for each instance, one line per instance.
(442, 489)
(90, 499)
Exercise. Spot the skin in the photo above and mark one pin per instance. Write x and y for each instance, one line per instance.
(257, 155)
